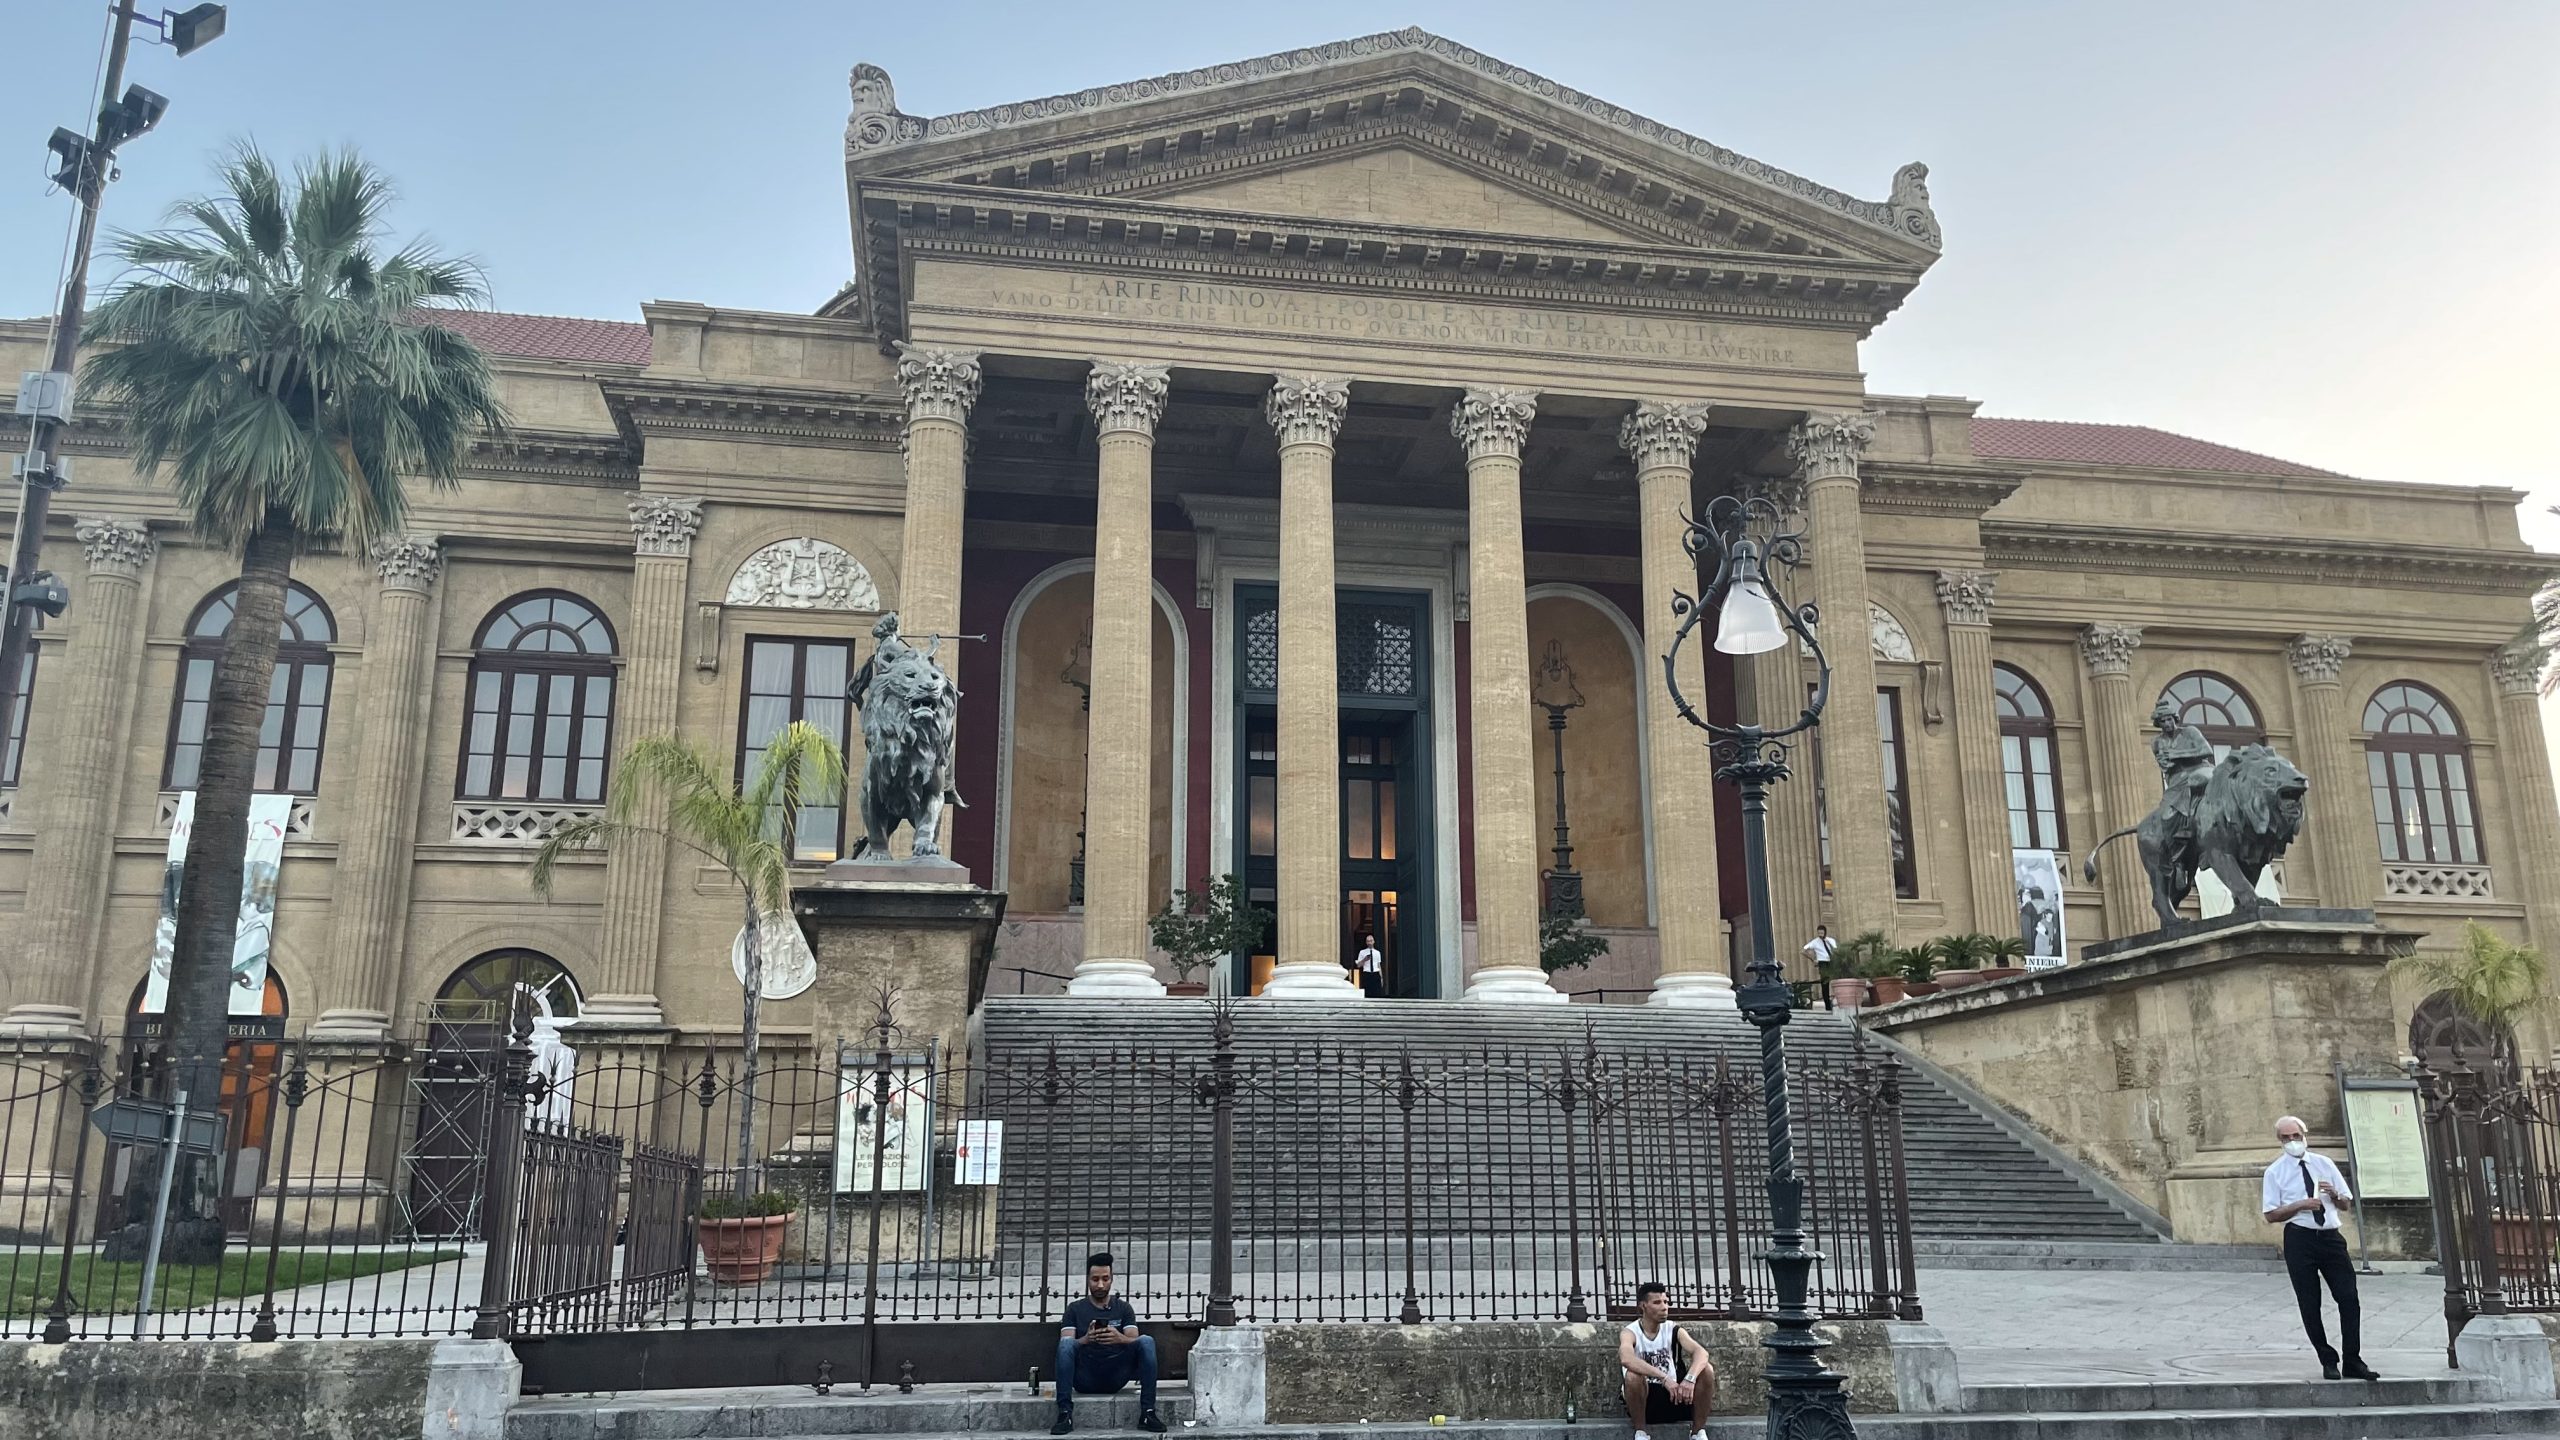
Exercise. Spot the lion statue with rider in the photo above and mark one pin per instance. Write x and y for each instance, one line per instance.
(908, 706)
(2233, 817)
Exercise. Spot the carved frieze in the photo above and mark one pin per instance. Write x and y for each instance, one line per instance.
(1307, 409)
(2108, 649)
(876, 122)
(1127, 395)
(1493, 421)
(1663, 434)
(665, 524)
(803, 573)
(1887, 637)
(115, 546)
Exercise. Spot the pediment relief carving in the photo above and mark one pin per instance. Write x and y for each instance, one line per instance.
(803, 573)
(1173, 133)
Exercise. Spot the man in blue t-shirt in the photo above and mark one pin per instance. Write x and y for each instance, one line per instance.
(1100, 1350)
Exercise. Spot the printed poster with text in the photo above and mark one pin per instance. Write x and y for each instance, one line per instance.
(268, 816)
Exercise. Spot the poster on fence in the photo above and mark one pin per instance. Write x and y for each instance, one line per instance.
(2039, 876)
(262, 865)
(895, 1143)
(979, 1156)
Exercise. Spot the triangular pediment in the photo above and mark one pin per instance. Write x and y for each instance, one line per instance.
(1404, 128)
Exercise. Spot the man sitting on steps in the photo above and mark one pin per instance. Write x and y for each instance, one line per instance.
(1100, 1350)
(1659, 1391)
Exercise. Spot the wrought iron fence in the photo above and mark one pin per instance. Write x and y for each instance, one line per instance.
(2493, 1159)
(1270, 1183)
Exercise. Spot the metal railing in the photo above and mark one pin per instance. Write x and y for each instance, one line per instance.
(2493, 1160)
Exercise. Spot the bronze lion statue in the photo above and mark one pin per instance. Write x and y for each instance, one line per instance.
(2249, 811)
(907, 706)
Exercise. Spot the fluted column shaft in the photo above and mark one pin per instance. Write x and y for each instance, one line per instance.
(2526, 758)
(1827, 448)
(1662, 438)
(1127, 400)
(2129, 780)
(380, 827)
(1990, 873)
(71, 778)
(1494, 426)
(635, 877)
(2346, 860)
(1306, 413)
(940, 386)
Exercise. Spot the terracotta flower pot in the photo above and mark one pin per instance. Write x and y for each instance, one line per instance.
(1998, 973)
(1890, 989)
(741, 1251)
(1918, 988)
(1958, 979)
(1187, 988)
(1848, 993)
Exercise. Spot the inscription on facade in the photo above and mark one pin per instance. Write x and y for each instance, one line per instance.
(1232, 308)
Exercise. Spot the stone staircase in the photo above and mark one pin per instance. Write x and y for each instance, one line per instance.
(1974, 1185)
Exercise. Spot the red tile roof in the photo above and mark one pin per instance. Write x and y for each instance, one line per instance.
(549, 337)
(2133, 445)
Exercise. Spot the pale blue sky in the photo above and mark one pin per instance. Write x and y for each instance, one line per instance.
(2324, 231)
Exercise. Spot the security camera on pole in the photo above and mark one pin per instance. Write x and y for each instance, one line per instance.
(82, 165)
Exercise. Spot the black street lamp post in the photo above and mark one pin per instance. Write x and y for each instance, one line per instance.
(1737, 548)
(1079, 673)
(1556, 693)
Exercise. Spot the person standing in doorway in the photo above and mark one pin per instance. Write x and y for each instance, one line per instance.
(1819, 950)
(1659, 1390)
(1372, 967)
(2302, 1192)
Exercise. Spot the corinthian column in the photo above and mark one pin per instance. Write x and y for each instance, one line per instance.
(2346, 861)
(2129, 780)
(1127, 400)
(372, 879)
(1826, 450)
(1965, 596)
(1306, 412)
(72, 783)
(1662, 438)
(940, 387)
(1494, 425)
(635, 875)
(2526, 758)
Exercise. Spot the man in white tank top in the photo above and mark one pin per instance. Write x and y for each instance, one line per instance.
(1659, 1391)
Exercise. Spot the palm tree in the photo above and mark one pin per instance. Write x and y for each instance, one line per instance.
(746, 831)
(273, 354)
(2491, 981)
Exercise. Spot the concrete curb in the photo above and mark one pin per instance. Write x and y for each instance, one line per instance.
(471, 1385)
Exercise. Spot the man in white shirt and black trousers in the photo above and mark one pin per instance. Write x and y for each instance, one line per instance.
(2302, 1192)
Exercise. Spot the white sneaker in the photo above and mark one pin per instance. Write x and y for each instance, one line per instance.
(1697, 1435)
(1640, 1435)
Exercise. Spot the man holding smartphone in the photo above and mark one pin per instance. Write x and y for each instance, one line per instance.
(1100, 1350)
(2302, 1192)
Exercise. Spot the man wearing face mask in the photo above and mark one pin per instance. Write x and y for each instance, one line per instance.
(2302, 1192)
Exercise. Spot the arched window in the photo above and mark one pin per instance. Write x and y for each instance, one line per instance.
(541, 703)
(297, 699)
(2420, 765)
(2027, 761)
(2217, 707)
(13, 740)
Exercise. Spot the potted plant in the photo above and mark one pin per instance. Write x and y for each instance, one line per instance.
(1198, 928)
(1847, 970)
(1919, 971)
(2008, 958)
(2493, 982)
(1884, 976)
(1961, 958)
(741, 1237)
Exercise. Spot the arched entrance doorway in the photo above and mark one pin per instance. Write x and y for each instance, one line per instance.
(466, 1036)
(252, 1047)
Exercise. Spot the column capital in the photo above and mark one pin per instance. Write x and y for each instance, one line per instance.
(115, 546)
(1966, 595)
(2318, 659)
(1127, 395)
(1663, 434)
(939, 384)
(665, 524)
(1306, 409)
(1826, 446)
(407, 562)
(2517, 667)
(1494, 421)
(2108, 649)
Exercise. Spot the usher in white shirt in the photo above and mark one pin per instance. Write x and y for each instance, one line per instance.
(2283, 1186)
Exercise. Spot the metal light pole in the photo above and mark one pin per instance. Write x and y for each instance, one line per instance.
(1079, 673)
(1556, 693)
(1738, 548)
(46, 396)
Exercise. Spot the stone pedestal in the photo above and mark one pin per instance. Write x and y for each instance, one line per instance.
(920, 928)
(2164, 1059)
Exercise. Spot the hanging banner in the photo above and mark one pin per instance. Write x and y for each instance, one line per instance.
(2040, 914)
(261, 867)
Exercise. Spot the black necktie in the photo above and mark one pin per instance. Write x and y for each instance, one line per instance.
(2311, 1192)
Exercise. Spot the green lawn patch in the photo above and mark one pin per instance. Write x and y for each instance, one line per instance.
(101, 1286)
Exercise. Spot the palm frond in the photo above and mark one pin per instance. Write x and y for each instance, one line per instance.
(2488, 979)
